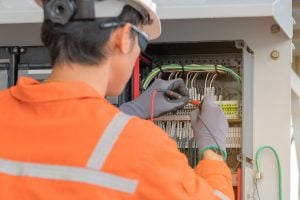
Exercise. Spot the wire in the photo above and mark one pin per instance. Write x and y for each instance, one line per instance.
(159, 75)
(193, 79)
(205, 84)
(177, 74)
(213, 79)
(191, 68)
(187, 79)
(220, 87)
(152, 105)
(257, 159)
(171, 75)
(257, 190)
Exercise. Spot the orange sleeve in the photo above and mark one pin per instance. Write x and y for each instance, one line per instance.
(167, 175)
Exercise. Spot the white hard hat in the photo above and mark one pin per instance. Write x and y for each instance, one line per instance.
(113, 8)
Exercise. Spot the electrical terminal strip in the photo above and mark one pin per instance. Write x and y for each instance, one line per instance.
(201, 82)
(182, 133)
(230, 109)
(234, 137)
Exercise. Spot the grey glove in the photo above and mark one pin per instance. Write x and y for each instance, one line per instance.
(141, 107)
(210, 127)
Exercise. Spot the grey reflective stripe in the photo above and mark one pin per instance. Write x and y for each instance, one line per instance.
(64, 173)
(107, 141)
(91, 174)
(221, 195)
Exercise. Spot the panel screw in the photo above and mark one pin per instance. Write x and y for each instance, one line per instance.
(275, 54)
(275, 28)
(15, 50)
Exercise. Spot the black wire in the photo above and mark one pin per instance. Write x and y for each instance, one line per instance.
(257, 190)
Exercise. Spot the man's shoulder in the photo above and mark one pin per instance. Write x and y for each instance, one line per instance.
(4, 93)
(144, 125)
(146, 130)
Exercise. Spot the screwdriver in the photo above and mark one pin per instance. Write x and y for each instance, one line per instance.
(175, 95)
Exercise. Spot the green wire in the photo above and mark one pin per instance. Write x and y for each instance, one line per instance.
(257, 159)
(189, 68)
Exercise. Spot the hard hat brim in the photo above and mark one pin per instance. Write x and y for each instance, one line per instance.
(154, 29)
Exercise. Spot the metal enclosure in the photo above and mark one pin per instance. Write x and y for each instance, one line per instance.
(252, 22)
(264, 25)
(232, 54)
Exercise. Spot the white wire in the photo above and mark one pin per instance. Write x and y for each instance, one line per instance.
(159, 75)
(171, 75)
(205, 84)
(176, 75)
(213, 79)
(194, 78)
(187, 79)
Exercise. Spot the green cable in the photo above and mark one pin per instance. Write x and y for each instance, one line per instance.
(190, 68)
(257, 159)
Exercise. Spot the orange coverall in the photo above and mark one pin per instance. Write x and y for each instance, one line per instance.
(64, 141)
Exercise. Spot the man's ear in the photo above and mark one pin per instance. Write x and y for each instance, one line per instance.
(123, 39)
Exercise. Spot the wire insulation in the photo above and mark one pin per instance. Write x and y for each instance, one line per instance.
(188, 68)
(258, 166)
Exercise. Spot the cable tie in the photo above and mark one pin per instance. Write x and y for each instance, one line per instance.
(216, 69)
(182, 68)
(160, 69)
(182, 71)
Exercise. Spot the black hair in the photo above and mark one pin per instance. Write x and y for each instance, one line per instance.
(83, 41)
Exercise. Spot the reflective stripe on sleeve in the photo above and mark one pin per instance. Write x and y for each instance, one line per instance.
(107, 141)
(66, 173)
(221, 195)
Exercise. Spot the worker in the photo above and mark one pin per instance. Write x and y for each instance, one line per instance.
(61, 139)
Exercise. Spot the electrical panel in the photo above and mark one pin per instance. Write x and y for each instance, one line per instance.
(214, 69)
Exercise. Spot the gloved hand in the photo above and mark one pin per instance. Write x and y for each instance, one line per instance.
(210, 127)
(141, 107)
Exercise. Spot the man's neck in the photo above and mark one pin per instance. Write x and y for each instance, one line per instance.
(95, 76)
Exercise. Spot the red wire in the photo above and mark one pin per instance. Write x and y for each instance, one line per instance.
(136, 79)
(152, 105)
